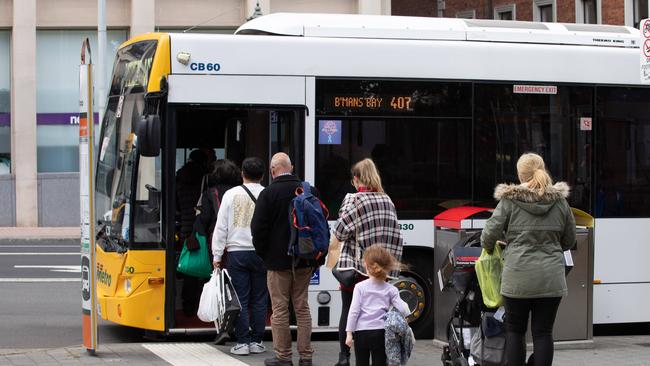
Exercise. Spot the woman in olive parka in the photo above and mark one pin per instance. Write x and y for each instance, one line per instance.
(536, 222)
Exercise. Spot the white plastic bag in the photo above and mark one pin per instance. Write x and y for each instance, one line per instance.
(219, 302)
(211, 305)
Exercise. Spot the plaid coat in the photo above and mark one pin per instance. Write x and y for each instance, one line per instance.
(366, 218)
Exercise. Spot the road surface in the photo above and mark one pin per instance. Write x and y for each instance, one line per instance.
(40, 298)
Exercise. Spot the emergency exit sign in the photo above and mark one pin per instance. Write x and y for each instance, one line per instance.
(534, 89)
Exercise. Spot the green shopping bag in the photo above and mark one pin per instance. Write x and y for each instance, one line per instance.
(195, 263)
(488, 270)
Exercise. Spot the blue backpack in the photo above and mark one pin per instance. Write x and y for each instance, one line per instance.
(310, 233)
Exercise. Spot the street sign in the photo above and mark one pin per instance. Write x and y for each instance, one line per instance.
(645, 50)
(86, 124)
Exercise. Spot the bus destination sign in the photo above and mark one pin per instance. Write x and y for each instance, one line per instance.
(391, 98)
(370, 103)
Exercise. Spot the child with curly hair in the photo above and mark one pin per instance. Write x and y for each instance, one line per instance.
(371, 301)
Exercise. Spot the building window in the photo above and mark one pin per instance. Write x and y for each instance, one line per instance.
(5, 103)
(57, 94)
(505, 12)
(546, 13)
(590, 12)
(640, 11)
(544, 10)
(506, 15)
(587, 11)
(467, 14)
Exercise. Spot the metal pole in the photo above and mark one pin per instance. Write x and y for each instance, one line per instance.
(100, 62)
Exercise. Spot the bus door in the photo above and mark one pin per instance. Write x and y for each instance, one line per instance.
(214, 133)
(225, 117)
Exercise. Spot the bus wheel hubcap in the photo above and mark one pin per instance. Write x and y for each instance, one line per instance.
(413, 295)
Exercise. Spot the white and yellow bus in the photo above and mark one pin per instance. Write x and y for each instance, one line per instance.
(443, 106)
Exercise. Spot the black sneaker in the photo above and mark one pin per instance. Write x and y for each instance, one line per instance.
(305, 363)
(277, 362)
(221, 338)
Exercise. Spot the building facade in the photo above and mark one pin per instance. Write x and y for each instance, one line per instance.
(614, 12)
(40, 41)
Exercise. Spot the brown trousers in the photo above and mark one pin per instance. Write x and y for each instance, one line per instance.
(283, 286)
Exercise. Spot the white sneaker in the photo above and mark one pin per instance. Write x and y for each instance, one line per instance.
(240, 350)
(255, 347)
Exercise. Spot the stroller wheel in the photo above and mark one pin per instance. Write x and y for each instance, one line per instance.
(461, 361)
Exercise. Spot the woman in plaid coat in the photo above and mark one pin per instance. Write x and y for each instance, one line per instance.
(367, 217)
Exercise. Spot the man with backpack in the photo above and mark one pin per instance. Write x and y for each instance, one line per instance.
(288, 276)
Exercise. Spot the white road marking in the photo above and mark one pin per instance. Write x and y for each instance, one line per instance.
(182, 354)
(55, 268)
(28, 253)
(23, 280)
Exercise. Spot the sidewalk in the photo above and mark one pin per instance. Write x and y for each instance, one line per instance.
(607, 351)
(23, 235)
(40, 232)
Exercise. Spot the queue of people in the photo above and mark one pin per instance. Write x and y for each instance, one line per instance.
(249, 229)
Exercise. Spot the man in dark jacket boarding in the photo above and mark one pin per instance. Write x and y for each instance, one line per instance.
(286, 280)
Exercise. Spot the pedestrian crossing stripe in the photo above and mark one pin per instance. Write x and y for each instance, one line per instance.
(188, 354)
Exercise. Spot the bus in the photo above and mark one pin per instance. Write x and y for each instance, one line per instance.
(443, 106)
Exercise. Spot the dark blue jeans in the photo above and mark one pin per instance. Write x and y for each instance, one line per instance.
(248, 275)
(543, 312)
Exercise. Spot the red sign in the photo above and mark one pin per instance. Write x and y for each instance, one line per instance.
(646, 48)
(646, 28)
(534, 89)
(585, 124)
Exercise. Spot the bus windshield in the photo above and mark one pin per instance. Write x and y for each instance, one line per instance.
(123, 178)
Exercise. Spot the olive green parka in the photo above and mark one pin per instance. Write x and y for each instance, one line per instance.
(537, 229)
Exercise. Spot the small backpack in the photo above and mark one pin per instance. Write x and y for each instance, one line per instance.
(310, 233)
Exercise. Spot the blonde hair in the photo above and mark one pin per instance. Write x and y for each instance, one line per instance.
(532, 171)
(379, 262)
(366, 171)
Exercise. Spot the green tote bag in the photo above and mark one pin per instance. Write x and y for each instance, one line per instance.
(196, 263)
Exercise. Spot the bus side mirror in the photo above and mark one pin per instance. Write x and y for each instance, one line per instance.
(149, 135)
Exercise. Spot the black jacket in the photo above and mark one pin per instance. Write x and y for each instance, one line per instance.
(270, 224)
(188, 190)
(210, 202)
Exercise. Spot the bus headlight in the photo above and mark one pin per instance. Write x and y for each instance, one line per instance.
(127, 285)
(323, 297)
(183, 57)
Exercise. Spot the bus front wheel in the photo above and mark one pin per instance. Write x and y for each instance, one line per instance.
(415, 286)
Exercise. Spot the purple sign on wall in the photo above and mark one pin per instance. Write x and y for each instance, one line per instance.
(329, 132)
(59, 119)
(71, 119)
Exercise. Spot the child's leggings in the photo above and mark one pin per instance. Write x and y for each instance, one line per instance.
(369, 343)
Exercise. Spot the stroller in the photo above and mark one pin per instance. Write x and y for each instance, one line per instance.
(466, 327)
